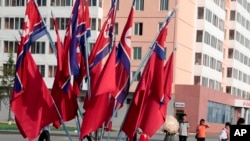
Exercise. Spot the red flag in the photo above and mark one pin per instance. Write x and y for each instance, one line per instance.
(94, 115)
(107, 75)
(97, 107)
(168, 75)
(152, 118)
(122, 68)
(101, 50)
(123, 60)
(31, 100)
(59, 47)
(33, 107)
(133, 116)
(66, 102)
(83, 30)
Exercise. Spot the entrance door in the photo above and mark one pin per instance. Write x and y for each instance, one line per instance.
(179, 114)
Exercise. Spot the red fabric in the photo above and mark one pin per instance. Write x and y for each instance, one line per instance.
(66, 102)
(152, 118)
(59, 47)
(97, 55)
(95, 114)
(96, 106)
(133, 116)
(34, 107)
(107, 75)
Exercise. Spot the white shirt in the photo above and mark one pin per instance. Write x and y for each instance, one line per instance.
(223, 134)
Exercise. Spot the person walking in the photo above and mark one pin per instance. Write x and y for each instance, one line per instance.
(183, 128)
(45, 135)
(224, 134)
(201, 130)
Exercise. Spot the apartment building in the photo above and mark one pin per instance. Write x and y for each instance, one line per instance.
(211, 64)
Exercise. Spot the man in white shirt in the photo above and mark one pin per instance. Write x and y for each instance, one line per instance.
(224, 135)
(183, 128)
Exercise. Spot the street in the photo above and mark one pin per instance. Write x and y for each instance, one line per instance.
(61, 136)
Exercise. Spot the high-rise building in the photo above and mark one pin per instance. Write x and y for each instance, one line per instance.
(210, 39)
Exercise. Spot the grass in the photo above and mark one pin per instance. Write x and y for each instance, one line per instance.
(6, 126)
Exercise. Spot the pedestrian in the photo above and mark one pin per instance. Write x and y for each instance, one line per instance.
(183, 128)
(45, 135)
(201, 130)
(241, 121)
(224, 134)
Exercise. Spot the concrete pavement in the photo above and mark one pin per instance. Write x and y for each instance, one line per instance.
(61, 136)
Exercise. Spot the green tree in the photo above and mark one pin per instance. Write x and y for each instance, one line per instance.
(7, 81)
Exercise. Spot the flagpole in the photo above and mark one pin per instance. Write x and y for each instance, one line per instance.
(145, 59)
(150, 50)
(86, 59)
(55, 52)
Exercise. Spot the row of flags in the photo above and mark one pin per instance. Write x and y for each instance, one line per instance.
(108, 64)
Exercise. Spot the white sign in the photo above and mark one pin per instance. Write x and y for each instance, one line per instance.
(179, 104)
(242, 103)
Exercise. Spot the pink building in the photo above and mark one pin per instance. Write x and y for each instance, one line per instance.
(211, 77)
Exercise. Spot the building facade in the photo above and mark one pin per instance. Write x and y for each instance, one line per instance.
(211, 67)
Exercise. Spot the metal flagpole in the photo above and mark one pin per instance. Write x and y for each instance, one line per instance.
(145, 59)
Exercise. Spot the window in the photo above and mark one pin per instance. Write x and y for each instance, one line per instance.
(139, 5)
(14, 2)
(205, 60)
(38, 48)
(116, 29)
(93, 23)
(138, 29)
(228, 89)
(164, 5)
(219, 113)
(10, 46)
(92, 2)
(13, 23)
(208, 15)
(197, 80)
(213, 41)
(204, 81)
(99, 24)
(61, 2)
(100, 3)
(61, 22)
(137, 53)
(51, 49)
(215, 20)
(231, 34)
(200, 12)
(41, 69)
(52, 71)
(41, 2)
(198, 58)
(207, 38)
(230, 53)
(199, 35)
(138, 77)
(229, 72)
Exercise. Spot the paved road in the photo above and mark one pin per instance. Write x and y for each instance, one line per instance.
(60, 136)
